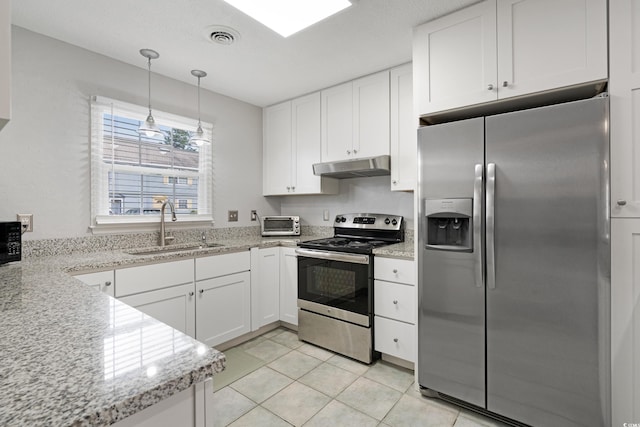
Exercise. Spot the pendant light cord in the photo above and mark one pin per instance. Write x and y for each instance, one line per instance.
(199, 124)
(149, 80)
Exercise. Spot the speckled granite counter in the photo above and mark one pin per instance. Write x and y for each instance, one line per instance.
(72, 356)
(399, 250)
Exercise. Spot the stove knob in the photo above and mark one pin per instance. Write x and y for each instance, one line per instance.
(394, 222)
(343, 219)
(337, 219)
(387, 221)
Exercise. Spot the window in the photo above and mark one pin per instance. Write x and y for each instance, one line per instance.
(133, 175)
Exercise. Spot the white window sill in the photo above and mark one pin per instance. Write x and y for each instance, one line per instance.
(106, 224)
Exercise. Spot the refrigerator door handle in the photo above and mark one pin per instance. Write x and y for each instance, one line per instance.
(477, 224)
(490, 225)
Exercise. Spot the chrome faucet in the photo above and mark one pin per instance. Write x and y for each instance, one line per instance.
(164, 238)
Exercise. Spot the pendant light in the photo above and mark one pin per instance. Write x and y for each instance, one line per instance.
(199, 138)
(149, 127)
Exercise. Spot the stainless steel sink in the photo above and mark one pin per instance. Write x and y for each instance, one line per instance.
(169, 249)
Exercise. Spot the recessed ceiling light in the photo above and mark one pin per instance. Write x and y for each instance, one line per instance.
(287, 17)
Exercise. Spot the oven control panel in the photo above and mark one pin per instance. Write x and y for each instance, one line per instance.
(369, 221)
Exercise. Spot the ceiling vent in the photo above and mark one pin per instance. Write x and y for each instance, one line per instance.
(222, 35)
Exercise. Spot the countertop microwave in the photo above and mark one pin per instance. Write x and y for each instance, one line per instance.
(280, 225)
(10, 241)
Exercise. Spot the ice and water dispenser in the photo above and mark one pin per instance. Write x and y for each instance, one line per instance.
(449, 224)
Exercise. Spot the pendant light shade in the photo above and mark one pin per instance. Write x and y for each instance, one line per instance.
(199, 137)
(149, 127)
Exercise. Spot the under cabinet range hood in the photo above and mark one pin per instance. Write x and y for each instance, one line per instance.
(368, 166)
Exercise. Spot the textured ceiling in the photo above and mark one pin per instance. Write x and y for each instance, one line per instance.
(262, 68)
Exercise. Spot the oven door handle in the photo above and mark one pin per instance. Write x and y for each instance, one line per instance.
(334, 256)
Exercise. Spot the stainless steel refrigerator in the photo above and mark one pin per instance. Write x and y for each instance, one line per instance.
(514, 263)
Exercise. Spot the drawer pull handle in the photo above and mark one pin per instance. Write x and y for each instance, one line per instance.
(395, 271)
(395, 301)
(395, 340)
(107, 283)
(622, 202)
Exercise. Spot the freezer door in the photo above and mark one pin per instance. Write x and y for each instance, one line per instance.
(451, 325)
(548, 271)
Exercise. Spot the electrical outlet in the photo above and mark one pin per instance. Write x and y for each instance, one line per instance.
(27, 221)
(254, 215)
(233, 216)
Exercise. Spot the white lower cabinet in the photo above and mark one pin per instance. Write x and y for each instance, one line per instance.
(395, 308)
(289, 286)
(265, 289)
(174, 306)
(625, 320)
(101, 281)
(223, 297)
(395, 338)
(223, 308)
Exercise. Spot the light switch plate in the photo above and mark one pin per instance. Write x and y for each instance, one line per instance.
(233, 216)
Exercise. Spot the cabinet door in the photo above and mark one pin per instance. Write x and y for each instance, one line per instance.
(265, 287)
(547, 44)
(5, 62)
(625, 319)
(337, 123)
(101, 281)
(223, 308)
(174, 306)
(454, 59)
(624, 91)
(289, 286)
(404, 130)
(277, 154)
(306, 144)
(371, 115)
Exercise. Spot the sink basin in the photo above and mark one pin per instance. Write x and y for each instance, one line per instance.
(169, 249)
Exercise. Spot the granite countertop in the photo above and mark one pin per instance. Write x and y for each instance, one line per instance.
(403, 250)
(70, 355)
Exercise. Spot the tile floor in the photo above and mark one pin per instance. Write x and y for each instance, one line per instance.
(276, 380)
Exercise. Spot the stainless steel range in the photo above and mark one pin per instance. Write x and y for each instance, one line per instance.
(335, 283)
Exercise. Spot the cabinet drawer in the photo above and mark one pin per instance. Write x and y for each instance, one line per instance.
(395, 270)
(221, 265)
(395, 301)
(101, 281)
(151, 277)
(395, 338)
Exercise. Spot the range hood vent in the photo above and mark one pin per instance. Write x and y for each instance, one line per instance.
(369, 166)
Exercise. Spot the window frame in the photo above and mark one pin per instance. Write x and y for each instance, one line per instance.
(101, 221)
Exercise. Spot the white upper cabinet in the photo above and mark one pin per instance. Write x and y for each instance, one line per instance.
(624, 92)
(371, 115)
(547, 44)
(506, 48)
(5, 62)
(291, 147)
(355, 119)
(454, 59)
(277, 149)
(403, 130)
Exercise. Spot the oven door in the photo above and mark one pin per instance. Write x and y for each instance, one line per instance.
(335, 284)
